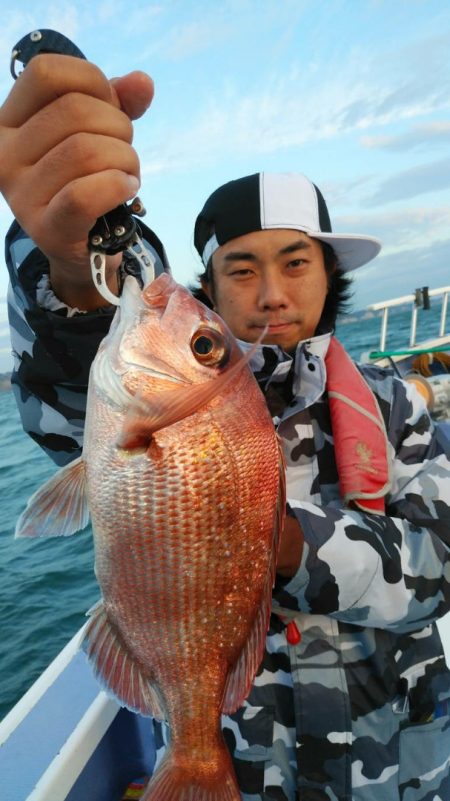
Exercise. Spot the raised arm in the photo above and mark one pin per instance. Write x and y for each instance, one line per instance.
(67, 158)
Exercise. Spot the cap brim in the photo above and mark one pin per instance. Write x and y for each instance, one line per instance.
(352, 250)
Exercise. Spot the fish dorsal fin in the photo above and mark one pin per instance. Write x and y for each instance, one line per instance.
(240, 678)
(115, 668)
(150, 413)
(59, 508)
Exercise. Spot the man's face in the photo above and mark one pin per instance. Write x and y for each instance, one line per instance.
(273, 278)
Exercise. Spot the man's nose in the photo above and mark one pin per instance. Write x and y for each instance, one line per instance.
(271, 292)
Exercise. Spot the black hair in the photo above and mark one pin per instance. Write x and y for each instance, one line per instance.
(337, 300)
(339, 293)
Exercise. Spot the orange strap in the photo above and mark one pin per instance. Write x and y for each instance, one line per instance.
(359, 433)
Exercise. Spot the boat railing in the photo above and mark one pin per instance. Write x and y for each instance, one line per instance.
(419, 299)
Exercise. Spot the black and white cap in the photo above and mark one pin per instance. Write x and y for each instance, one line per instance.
(275, 200)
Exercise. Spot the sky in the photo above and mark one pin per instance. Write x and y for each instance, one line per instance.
(353, 93)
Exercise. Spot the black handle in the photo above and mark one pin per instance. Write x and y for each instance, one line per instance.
(44, 41)
(116, 229)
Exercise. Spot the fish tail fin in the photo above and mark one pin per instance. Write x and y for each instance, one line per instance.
(187, 780)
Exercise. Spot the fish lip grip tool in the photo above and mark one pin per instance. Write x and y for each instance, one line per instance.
(116, 231)
(43, 41)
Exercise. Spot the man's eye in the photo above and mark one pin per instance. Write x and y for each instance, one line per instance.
(296, 263)
(242, 272)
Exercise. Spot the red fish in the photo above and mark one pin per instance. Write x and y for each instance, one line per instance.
(183, 477)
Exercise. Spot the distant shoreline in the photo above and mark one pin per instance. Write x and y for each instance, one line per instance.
(5, 382)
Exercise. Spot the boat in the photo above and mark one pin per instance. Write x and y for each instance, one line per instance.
(67, 739)
(427, 363)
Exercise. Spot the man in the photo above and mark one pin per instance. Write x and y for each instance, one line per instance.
(350, 701)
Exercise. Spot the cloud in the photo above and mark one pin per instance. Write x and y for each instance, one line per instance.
(133, 21)
(190, 39)
(427, 135)
(186, 39)
(398, 274)
(346, 193)
(290, 107)
(399, 229)
(207, 26)
(412, 182)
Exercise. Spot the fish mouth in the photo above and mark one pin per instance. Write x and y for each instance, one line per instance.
(129, 352)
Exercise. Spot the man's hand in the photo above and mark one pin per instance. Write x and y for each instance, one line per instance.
(291, 548)
(67, 158)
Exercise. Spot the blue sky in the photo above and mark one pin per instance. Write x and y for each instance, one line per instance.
(354, 93)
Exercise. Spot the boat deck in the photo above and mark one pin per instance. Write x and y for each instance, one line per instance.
(66, 740)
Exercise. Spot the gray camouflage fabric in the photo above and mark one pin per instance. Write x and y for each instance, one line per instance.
(359, 708)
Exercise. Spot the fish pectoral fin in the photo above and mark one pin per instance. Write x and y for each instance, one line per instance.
(148, 414)
(116, 669)
(59, 508)
(151, 413)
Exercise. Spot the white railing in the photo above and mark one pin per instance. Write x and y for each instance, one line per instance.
(385, 305)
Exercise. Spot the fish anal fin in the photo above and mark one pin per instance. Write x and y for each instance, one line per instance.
(241, 675)
(59, 507)
(116, 669)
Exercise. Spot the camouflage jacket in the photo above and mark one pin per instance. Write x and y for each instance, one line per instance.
(358, 709)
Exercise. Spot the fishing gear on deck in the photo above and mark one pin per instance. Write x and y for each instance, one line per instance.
(116, 231)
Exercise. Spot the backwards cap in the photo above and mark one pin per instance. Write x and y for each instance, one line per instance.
(275, 200)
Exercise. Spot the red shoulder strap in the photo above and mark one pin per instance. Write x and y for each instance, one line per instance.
(359, 433)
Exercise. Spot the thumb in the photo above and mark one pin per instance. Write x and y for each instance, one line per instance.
(134, 93)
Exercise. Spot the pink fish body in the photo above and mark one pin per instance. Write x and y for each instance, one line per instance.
(182, 475)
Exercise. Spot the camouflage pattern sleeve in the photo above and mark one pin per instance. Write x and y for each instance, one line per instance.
(387, 571)
(53, 350)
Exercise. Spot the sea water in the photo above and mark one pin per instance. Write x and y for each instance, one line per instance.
(47, 585)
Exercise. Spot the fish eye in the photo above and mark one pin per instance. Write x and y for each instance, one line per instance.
(209, 347)
(203, 345)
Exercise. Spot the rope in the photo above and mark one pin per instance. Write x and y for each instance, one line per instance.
(379, 354)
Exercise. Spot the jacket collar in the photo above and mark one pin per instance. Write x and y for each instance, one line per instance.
(300, 377)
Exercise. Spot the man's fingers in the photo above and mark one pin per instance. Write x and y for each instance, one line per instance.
(65, 135)
(78, 205)
(79, 156)
(48, 77)
(65, 117)
(134, 92)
